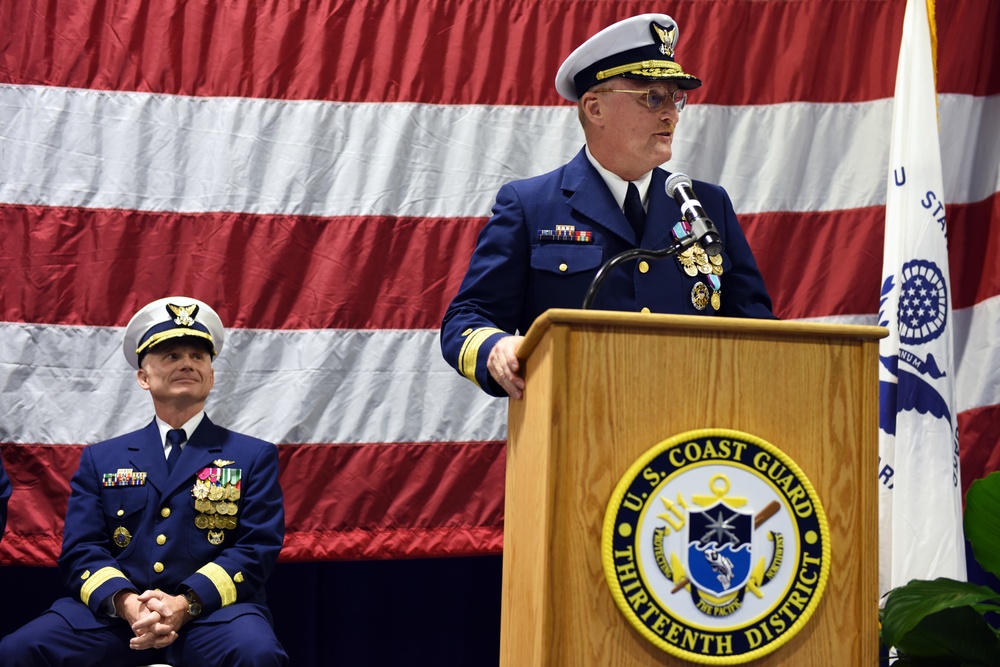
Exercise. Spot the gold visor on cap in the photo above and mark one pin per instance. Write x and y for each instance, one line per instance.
(174, 333)
(650, 68)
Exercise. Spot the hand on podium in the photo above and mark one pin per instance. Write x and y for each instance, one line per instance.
(504, 366)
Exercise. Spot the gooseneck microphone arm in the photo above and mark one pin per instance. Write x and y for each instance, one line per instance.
(635, 253)
(703, 232)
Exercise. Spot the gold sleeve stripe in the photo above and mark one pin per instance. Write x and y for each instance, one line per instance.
(469, 353)
(96, 580)
(223, 582)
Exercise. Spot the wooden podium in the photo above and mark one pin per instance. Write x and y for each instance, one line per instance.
(602, 388)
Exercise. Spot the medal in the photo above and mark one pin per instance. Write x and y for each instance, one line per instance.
(695, 260)
(716, 284)
(688, 262)
(716, 261)
(699, 295)
(121, 536)
(216, 492)
(701, 259)
(200, 490)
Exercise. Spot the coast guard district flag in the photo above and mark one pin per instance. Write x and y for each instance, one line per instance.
(920, 507)
(319, 171)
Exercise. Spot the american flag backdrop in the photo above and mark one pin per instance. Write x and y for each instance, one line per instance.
(319, 171)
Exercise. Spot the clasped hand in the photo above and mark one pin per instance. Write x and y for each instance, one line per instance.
(155, 617)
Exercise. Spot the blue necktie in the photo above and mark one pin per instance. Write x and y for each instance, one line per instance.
(634, 212)
(175, 437)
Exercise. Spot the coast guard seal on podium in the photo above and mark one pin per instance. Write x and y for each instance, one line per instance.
(716, 547)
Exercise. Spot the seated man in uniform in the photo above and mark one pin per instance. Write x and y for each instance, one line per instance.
(171, 531)
(549, 235)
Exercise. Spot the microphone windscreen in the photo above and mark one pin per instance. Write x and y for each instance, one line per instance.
(675, 180)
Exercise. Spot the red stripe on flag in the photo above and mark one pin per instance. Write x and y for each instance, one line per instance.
(399, 542)
(480, 53)
(968, 48)
(393, 501)
(399, 500)
(39, 475)
(974, 251)
(266, 272)
(319, 272)
(830, 263)
(819, 264)
(979, 442)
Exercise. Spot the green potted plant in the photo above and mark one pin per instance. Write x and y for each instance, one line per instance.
(945, 622)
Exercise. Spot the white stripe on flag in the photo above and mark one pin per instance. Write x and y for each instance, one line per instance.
(920, 509)
(970, 136)
(69, 147)
(98, 149)
(977, 356)
(816, 157)
(73, 386)
(78, 395)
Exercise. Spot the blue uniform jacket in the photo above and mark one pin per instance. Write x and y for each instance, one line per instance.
(5, 489)
(514, 276)
(165, 548)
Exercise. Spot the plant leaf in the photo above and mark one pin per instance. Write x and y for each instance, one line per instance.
(907, 606)
(958, 632)
(982, 521)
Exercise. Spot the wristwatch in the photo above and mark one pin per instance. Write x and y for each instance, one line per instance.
(194, 607)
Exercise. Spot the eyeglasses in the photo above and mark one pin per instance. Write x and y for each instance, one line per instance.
(656, 97)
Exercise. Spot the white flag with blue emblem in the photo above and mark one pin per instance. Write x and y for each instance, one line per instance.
(920, 508)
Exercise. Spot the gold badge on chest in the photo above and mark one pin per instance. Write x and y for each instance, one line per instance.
(699, 295)
(121, 536)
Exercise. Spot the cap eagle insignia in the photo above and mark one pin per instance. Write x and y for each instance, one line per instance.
(665, 37)
(183, 315)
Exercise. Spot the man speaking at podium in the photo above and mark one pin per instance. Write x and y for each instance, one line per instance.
(550, 235)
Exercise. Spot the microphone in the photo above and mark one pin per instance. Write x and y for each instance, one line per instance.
(679, 187)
